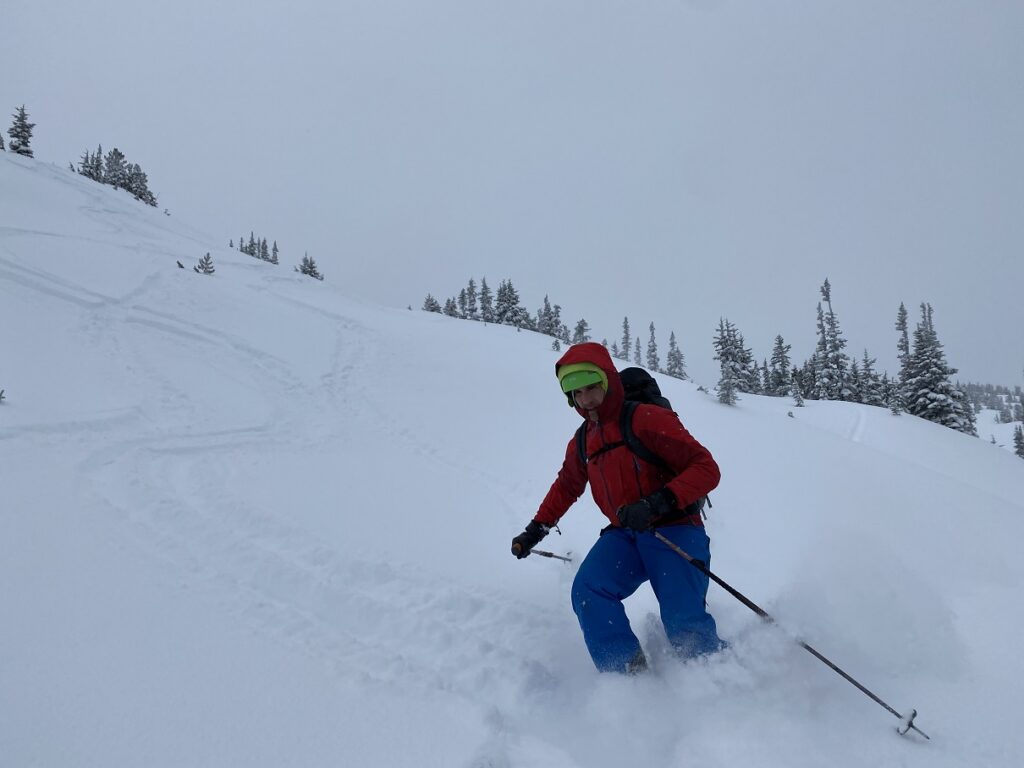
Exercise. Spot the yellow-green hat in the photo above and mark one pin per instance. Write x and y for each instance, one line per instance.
(578, 375)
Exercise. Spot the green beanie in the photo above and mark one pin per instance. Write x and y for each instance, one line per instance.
(579, 375)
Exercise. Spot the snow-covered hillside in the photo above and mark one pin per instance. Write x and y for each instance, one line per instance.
(250, 519)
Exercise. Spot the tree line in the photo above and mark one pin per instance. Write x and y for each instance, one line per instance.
(114, 170)
(504, 307)
(923, 386)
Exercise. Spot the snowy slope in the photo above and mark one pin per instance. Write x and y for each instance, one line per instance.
(250, 519)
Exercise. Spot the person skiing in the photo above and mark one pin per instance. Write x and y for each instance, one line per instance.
(636, 496)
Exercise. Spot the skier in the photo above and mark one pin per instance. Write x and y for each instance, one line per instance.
(636, 496)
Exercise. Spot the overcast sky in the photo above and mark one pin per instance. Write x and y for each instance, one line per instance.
(670, 161)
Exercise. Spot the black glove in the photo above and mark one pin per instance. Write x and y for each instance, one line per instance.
(528, 539)
(642, 515)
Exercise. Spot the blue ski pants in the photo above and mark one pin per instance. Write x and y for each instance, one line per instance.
(618, 563)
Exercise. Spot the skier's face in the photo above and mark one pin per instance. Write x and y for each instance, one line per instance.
(589, 398)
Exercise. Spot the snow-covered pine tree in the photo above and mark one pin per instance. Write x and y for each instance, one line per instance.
(545, 319)
(891, 394)
(115, 169)
(636, 353)
(507, 308)
(798, 399)
(870, 383)
(85, 164)
(137, 183)
(231, 243)
(653, 363)
(750, 380)
(614, 349)
(556, 345)
(766, 379)
(855, 383)
(930, 393)
(460, 302)
(96, 170)
(252, 248)
(728, 353)
(779, 380)
(1018, 440)
(486, 302)
(307, 267)
(205, 265)
(430, 304)
(451, 308)
(21, 133)
(675, 363)
(627, 338)
(582, 332)
(833, 364)
(274, 254)
(472, 309)
(902, 351)
(264, 251)
(2, 150)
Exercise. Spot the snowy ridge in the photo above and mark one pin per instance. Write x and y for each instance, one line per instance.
(251, 519)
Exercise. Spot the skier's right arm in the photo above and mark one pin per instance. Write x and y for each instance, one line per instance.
(568, 486)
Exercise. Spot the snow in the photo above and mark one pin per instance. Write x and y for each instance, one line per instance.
(253, 519)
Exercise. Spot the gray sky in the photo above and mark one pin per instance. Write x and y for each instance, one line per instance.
(673, 161)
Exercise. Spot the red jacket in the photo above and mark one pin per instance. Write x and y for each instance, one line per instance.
(618, 476)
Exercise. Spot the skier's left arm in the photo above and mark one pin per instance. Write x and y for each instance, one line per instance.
(697, 472)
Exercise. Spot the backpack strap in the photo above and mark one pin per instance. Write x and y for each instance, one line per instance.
(636, 446)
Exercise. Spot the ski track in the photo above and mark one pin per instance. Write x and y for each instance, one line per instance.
(279, 579)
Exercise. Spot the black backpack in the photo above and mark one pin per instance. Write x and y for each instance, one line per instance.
(639, 387)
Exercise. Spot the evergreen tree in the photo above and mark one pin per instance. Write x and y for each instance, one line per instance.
(892, 395)
(252, 249)
(653, 364)
(627, 339)
(729, 356)
(430, 304)
(902, 350)
(205, 265)
(582, 332)
(798, 399)
(264, 251)
(675, 363)
(615, 350)
(930, 393)
(137, 183)
(274, 254)
(779, 382)
(85, 164)
(96, 168)
(556, 346)
(486, 302)
(472, 310)
(853, 383)
(451, 308)
(832, 363)
(636, 353)
(766, 379)
(545, 319)
(2, 143)
(115, 169)
(1018, 441)
(231, 243)
(870, 383)
(460, 302)
(21, 133)
(307, 267)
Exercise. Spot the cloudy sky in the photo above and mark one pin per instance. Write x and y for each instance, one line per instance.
(670, 161)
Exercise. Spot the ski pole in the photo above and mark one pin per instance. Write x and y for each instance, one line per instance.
(907, 720)
(542, 553)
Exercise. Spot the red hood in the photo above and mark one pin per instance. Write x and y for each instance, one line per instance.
(592, 352)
